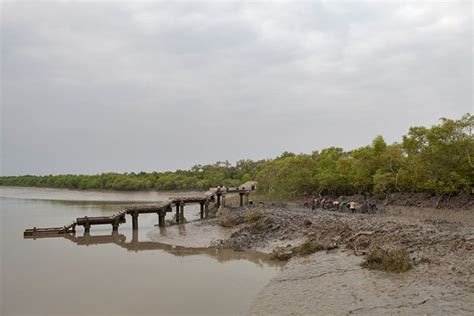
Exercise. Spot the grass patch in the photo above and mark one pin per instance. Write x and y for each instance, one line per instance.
(307, 248)
(390, 260)
(226, 218)
(253, 215)
(258, 227)
(285, 253)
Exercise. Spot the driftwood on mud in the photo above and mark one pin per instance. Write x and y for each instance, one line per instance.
(362, 233)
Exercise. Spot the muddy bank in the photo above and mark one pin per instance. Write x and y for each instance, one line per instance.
(331, 281)
(446, 201)
(335, 284)
(436, 246)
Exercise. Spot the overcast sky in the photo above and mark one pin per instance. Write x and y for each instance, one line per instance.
(96, 86)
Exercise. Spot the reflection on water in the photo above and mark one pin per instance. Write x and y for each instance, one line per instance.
(221, 255)
(123, 273)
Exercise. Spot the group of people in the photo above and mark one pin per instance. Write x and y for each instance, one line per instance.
(349, 205)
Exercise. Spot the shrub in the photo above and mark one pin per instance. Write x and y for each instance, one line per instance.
(253, 215)
(390, 260)
(258, 227)
(226, 218)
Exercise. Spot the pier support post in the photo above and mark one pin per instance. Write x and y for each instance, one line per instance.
(181, 213)
(247, 199)
(135, 236)
(87, 226)
(161, 219)
(134, 221)
(206, 209)
(241, 199)
(218, 200)
(177, 213)
(201, 213)
(115, 226)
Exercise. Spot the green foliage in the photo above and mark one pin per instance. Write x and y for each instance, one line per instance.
(286, 177)
(440, 159)
(383, 182)
(199, 177)
(437, 160)
(390, 260)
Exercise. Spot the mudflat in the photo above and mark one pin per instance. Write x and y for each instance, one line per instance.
(439, 242)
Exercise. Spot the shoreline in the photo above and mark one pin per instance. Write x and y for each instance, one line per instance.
(416, 199)
(332, 281)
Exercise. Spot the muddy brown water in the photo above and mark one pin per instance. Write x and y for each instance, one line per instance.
(114, 274)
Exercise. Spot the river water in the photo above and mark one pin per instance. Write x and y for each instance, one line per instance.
(114, 274)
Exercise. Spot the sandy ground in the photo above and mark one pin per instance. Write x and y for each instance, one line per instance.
(332, 282)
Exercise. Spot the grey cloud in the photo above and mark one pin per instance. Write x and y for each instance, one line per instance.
(128, 86)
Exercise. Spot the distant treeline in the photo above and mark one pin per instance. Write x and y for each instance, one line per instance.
(437, 160)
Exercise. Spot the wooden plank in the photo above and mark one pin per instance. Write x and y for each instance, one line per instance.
(45, 231)
(95, 220)
(249, 185)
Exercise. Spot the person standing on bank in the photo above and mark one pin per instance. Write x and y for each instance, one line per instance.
(306, 200)
(352, 206)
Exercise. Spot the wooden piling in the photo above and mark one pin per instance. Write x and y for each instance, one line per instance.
(206, 209)
(201, 210)
(134, 221)
(161, 219)
(115, 227)
(177, 213)
(135, 236)
(181, 213)
(87, 226)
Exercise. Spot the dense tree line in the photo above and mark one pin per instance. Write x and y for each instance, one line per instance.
(438, 160)
(200, 177)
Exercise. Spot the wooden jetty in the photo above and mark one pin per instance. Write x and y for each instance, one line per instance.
(213, 195)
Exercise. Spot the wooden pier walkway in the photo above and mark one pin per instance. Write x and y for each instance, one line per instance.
(213, 195)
